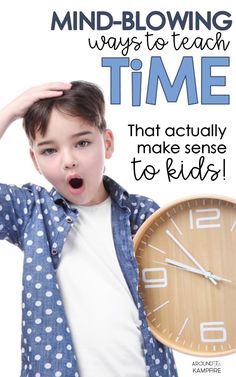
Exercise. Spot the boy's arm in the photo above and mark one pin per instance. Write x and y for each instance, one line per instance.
(19, 106)
(16, 203)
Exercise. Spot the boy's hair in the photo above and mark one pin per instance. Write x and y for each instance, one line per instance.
(84, 100)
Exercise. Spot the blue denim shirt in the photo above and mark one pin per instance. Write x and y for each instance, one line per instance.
(38, 222)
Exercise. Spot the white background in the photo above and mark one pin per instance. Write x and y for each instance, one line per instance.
(32, 54)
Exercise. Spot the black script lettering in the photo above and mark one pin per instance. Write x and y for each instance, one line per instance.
(148, 172)
(201, 171)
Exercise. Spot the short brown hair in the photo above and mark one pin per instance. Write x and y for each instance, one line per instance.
(84, 100)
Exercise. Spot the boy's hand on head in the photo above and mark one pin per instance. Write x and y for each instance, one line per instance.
(20, 105)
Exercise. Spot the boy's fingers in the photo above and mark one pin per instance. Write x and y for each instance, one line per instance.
(48, 90)
(55, 86)
(49, 93)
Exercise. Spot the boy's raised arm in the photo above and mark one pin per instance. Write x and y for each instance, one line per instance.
(19, 106)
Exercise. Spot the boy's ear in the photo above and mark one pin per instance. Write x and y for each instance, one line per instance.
(32, 155)
(109, 143)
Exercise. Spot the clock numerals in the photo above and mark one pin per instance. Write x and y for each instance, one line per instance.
(187, 263)
(208, 328)
(203, 218)
(160, 281)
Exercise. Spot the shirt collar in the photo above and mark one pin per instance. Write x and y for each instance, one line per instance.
(116, 192)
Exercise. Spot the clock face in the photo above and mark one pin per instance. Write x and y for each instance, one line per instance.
(186, 254)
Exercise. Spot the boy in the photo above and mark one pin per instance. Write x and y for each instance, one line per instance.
(82, 315)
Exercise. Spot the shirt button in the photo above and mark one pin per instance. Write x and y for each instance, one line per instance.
(69, 220)
(54, 252)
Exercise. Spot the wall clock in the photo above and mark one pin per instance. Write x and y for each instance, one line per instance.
(186, 254)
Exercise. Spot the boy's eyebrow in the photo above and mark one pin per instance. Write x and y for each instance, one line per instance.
(46, 142)
(82, 133)
(78, 134)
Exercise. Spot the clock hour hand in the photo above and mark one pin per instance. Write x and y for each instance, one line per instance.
(190, 256)
(186, 267)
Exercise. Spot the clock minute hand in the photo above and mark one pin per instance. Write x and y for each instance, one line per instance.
(186, 267)
(190, 256)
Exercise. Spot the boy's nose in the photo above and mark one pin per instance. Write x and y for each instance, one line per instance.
(70, 165)
(69, 162)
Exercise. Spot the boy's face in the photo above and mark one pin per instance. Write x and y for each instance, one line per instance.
(71, 156)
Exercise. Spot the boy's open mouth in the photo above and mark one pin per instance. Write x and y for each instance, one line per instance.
(76, 183)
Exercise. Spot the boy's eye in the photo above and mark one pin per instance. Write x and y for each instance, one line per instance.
(83, 143)
(48, 151)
